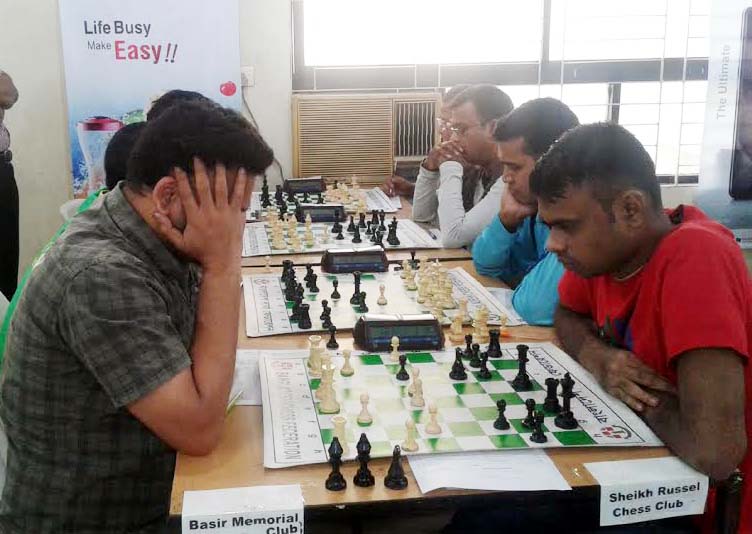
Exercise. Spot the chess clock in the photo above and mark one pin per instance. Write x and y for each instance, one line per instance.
(349, 260)
(320, 212)
(374, 331)
(305, 185)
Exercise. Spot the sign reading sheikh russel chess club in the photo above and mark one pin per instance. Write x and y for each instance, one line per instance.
(119, 56)
(249, 510)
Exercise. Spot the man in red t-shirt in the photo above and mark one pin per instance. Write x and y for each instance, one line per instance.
(657, 304)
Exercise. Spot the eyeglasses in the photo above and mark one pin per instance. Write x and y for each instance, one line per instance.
(442, 124)
(463, 130)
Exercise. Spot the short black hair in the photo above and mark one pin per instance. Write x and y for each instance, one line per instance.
(454, 91)
(490, 102)
(603, 155)
(117, 153)
(170, 98)
(196, 129)
(538, 122)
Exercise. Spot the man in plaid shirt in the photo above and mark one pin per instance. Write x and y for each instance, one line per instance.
(122, 349)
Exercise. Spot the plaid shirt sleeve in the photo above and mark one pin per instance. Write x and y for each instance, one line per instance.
(115, 319)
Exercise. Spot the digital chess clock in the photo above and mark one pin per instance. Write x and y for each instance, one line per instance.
(348, 260)
(320, 212)
(305, 185)
(374, 331)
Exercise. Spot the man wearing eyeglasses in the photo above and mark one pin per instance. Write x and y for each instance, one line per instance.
(458, 186)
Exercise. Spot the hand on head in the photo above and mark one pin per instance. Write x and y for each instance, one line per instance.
(447, 151)
(512, 212)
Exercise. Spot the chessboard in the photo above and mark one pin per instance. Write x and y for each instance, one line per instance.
(375, 199)
(268, 312)
(258, 238)
(305, 407)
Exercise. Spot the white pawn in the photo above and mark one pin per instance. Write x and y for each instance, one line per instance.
(410, 444)
(339, 432)
(382, 299)
(394, 355)
(411, 387)
(433, 427)
(314, 356)
(347, 369)
(268, 265)
(417, 400)
(364, 418)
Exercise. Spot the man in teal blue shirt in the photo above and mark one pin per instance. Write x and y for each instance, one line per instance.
(512, 246)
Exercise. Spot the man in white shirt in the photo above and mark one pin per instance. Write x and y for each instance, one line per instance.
(459, 187)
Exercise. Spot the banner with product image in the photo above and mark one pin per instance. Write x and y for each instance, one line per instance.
(119, 56)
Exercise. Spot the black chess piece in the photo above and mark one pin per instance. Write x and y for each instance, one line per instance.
(351, 226)
(458, 368)
(395, 478)
(279, 195)
(382, 217)
(369, 231)
(402, 373)
(306, 198)
(336, 227)
(469, 348)
(375, 219)
(522, 381)
(354, 300)
(312, 287)
(335, 481)
(413, 261)
(501, 422)
(335, 294)
(380, 239)
(320, 199)
(392, 238)
(363, 477)
(362, 306)
(483, 372)
(305, 319)
(494, 347)
(309, 272)
(339, 235)
(362, 221)
(566, 419)
(332, 343)
(529, 420)
(291, 197)
(326, 322)
(551, 403)
(295, 311)
(265, 200)
(356, 235)
(538, 436)
(475, 356)
(325, 307)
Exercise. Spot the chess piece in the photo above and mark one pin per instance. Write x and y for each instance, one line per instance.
(364, 417)
(332, 343)
(305, 319)
(402, 373)
(313, 288)
(355, 298)
(335, 481)
(455, 331)
(483, 372)
(351, 226)
(394, 355)
(339, 432)
(391, 237)
(314, 359)
(328, 402)
(463, 311)
(475, 356)
(410, 444)
(382, 299)
(356, 236)
(417, 400)
(362, 220)
(566, 419)
(395, 478)
(433, 427)
(363, 477)
(458, 368)
(362, 306)
(538, 436)
(494, 347)
(268, 264)
(522, 381)
(339, 235)
(347, 369)
(551, 403)
(501, 422)
(411, 387)
(529, 420)
(325, 308)
(468, 347)
(335, 294)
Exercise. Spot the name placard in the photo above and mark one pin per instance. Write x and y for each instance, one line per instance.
(644, 490)
(250, 510)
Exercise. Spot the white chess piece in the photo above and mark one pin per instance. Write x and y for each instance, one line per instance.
(411, 387)
(455, 331)
(403, 273)
(382, 299)
(314, 356)
(268, 265)
(364, 418)
(347, 369)
(463, 311)
(410, 444)
(417, 400)
(433, 427)
(328, 403)
(394, 355)
(340, 433)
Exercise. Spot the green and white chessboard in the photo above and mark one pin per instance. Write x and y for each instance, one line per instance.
(267, 313)
(296, 433)
(257, 240)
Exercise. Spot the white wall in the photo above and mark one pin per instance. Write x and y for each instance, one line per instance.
(31, 52)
